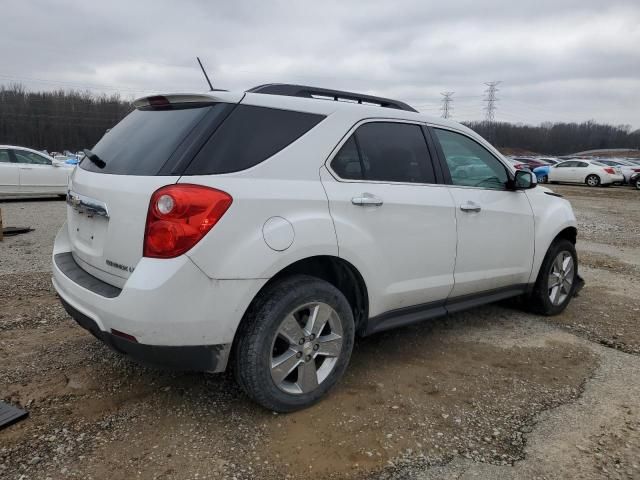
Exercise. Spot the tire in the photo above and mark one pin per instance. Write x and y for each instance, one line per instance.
(540, 300)
(268, 333)
(638, 184)
(592, 180)
(544, 179)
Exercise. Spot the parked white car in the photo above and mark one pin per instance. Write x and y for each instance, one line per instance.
(626, 168)
(24, 171)
(266, 229)
(590, 172)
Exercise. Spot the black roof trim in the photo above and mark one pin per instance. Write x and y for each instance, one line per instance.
(289, 90)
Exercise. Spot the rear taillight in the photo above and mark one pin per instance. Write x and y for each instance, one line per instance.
(636, 169)
(610, 170)
(179, 216)
(520, 166)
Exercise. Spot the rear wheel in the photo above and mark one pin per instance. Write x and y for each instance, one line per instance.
(638, 183)
(556, 282)
(294, 344)
(593, 180)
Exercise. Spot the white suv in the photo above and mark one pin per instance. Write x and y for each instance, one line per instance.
(264, 230)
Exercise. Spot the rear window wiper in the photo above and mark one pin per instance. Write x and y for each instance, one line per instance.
(94, 158)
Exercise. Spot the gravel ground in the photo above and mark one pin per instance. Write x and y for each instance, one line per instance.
(31, 252)
(490, 393)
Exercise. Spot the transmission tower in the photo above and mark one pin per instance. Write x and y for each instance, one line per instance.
(491, 99)
(447, 104)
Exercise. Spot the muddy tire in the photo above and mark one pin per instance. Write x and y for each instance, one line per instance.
(557, 279)
(294, 343)
(592, 180)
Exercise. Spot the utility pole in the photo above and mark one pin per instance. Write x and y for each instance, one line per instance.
(491, 99)
(447, 104)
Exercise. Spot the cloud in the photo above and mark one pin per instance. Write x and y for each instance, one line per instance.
(570, 60)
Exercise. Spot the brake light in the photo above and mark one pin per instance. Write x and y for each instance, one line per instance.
(636, 169)
(520, 166)
(610, 170)
(158, 101)
(179, 216)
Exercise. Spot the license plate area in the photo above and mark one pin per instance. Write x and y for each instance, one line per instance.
(88, 233)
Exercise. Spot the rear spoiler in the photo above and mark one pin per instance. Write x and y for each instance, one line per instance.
(182, 98)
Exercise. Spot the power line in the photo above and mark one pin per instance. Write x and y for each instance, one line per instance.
(491, 100)
(447, 104)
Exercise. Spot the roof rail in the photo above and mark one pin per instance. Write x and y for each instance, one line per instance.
(328, 94)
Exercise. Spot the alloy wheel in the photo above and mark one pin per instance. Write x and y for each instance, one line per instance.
(561, 278)
(306, 348)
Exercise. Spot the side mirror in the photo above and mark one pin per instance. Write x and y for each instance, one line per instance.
(524, 179)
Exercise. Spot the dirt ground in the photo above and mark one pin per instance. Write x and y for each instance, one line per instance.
(490, 393)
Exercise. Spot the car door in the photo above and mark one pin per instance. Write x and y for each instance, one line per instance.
(562, 172)
(39, 175)
(580, 171)
(9, 173)
(495, 225)
(392, 221)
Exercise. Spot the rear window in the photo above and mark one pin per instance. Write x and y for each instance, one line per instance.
(249, 136)
(146, 139)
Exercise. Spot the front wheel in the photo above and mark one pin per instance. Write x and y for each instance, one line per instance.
(557, 279)
(638, 183)
(593, 180)
(294, 344)
(544, 179)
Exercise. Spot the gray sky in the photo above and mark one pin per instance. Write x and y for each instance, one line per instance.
(559, 60)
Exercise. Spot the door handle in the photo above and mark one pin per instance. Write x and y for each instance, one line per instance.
(367, 200)
(470, 207)
(25, 168)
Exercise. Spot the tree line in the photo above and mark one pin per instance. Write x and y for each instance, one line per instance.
(73, 120)
(558, 138)
(57, 120)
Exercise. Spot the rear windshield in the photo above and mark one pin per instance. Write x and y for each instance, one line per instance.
(143, 142)
(201, 140)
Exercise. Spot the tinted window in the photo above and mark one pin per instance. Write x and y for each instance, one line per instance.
(470, 164)
(387, 152)
(23, 156)
(145, 140)
(347, 162)
(249, 136)
(4, 156)
(566, 164)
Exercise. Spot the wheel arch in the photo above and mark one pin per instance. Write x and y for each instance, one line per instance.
(335, 270)
(568, 233)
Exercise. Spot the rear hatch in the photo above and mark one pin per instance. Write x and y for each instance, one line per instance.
(109, 192)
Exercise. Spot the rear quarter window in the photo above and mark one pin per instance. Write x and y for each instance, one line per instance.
(249, 136)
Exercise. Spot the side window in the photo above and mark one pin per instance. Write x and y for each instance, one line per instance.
(248, 137)
(470, 164)
(4, 156)
(347, 162)
(30, 157)
(582, 164)
(386, 152)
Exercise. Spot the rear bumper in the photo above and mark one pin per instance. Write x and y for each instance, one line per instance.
(179, 316)
(201, 358)
(613, 178)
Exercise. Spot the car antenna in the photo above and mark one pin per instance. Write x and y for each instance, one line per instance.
(204, 72)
